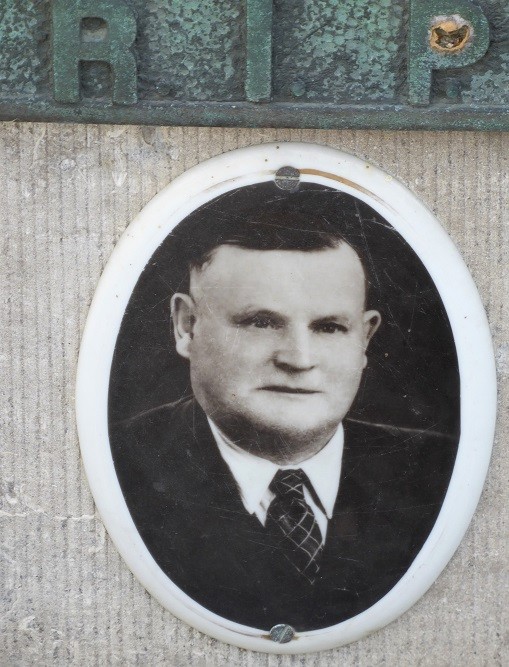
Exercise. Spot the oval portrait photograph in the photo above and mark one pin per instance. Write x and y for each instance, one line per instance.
(286, 397)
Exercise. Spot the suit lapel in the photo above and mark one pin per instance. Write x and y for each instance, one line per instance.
(212, 482)
(209, 467)
(347, 547)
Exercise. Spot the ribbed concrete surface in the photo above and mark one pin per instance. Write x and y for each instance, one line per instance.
(67, 193)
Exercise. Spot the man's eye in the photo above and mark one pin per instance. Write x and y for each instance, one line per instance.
(261, 322)
(330, 328)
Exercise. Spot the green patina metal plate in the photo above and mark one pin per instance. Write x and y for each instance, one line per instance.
(433, 64)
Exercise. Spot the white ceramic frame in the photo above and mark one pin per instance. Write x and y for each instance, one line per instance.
(421, 230)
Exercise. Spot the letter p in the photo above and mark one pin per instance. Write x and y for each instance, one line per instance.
(443, 34)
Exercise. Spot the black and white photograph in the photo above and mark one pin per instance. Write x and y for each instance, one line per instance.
(284, 405)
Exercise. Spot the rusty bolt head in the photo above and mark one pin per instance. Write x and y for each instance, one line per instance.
(450, 34)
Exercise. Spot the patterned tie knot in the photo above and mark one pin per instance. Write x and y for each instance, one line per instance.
(288, 483)
(293, 520)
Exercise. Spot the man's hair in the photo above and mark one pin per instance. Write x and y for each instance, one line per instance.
(264, 217)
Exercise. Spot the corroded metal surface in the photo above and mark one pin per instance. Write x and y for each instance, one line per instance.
(293, 63)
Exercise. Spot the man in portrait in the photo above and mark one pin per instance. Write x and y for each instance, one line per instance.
(256, 493)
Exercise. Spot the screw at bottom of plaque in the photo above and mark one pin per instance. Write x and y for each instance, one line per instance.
(282, 634)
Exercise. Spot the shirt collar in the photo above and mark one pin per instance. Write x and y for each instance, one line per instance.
(254, 474)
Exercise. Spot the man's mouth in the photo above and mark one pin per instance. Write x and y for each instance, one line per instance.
(283, 389)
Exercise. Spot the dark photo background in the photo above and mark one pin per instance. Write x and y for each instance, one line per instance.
(412, 377)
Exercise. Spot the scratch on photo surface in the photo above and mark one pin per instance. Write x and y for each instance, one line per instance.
(366, 246)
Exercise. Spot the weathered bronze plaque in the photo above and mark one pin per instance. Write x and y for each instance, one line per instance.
(441, 64)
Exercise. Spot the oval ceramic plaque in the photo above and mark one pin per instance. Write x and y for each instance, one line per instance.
(286, 398)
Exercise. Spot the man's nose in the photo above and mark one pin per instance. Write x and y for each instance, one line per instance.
(295, 352)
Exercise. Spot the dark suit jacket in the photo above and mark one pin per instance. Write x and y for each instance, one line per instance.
(187, 508)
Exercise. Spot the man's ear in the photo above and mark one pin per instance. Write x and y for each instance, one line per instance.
(371, 322)
(182, 313)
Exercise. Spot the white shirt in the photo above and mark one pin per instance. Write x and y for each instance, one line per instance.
(254, 475)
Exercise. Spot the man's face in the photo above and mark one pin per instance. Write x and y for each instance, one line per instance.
(276, 342)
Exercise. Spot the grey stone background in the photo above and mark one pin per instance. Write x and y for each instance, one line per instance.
(66, 195)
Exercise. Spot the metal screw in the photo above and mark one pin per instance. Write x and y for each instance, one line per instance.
(450, 34)
(282, 634)
(298, 88)
(287, 178)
